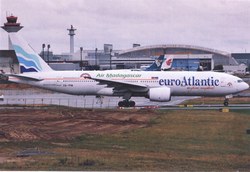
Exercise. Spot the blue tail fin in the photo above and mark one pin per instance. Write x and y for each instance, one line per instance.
(161, 63)
(156, 66)
(29, 60)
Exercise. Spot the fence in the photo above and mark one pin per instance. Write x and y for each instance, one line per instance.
(38, 97)
(81, 102)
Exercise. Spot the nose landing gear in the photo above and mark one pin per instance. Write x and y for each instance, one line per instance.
(126, 103)
(226, 102)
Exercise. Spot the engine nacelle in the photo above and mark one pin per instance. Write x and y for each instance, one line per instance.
(160, 94)
(106, 92)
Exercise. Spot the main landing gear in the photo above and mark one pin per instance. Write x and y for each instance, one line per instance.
(126, 103)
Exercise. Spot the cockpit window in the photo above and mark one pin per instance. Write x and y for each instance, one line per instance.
(239, 81)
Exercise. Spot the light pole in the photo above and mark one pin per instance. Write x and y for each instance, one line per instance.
(81, 49)
(110, 59)
(95, 56)
(43, 46)
(48, 46)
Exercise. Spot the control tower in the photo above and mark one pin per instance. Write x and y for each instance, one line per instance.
(71, 34)
(11, 26)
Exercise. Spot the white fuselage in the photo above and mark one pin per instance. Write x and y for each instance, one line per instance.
(180, 83)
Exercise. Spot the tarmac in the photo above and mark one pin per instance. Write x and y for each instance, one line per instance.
(34, 97)
(37, 97)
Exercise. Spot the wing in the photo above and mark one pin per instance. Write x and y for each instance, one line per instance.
(121, 85)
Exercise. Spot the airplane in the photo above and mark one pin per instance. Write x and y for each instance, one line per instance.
(167, 63)
(154, 85)
(162, 63)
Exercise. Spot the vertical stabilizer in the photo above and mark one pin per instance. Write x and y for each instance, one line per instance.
(167, 63)
(163, 62)
(29, 60)
(156, 66)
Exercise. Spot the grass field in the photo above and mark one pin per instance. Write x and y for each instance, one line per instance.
(217, 100)
(172, 140)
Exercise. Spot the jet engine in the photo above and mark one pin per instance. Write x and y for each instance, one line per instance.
(160, 94)
(106, 92)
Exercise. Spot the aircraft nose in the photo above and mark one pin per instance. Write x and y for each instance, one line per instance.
(245, 86)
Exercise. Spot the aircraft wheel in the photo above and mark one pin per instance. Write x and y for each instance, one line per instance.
(126, 103)
(132, 104)
(226, 102)
(121, 104)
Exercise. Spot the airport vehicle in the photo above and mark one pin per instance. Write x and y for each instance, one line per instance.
(155, 85)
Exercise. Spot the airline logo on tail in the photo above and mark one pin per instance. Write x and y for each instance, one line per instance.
(29, 60)
(163, 62)
(167, 63)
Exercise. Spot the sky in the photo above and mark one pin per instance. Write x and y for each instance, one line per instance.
(218, 24)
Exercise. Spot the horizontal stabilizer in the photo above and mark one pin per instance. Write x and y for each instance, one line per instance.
(28, 78)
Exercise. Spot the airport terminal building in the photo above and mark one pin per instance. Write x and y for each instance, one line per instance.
(185, 57)
(8, 62)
